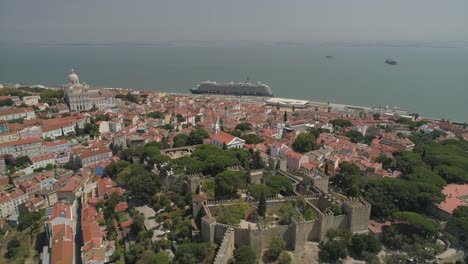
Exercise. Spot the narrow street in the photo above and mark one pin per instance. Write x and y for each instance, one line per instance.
(79, 233)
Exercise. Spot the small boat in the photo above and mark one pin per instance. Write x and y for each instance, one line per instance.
(390, 61)
(329, 56)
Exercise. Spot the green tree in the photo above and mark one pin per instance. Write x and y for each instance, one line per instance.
(251, 139)
(332, 250)
(245, 255)
(304, 142)
(423, 174)
(285, 117)
(388, 196)
(262, 205)
(196, 137)
(155, 114)
(386, 161)
(180, 140)
(279, 183)
(27, 219)
(115, 168)
(452, 174)
(256, 190)
(341, 123)
(244, 126)
(376, 116)
(284, 258)
(428, 226)
(406, 161)
(362, 243)
(277, 245)
(228, 182)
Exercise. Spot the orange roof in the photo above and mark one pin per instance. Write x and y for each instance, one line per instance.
(21, 142)
(62, 210)
(71, 185)
(453, 194)
(56, 142)
(121, 207)
(223, 137)
(127, 223)
(62, 244)
(199, 197)
(42, 157)
(13, 111)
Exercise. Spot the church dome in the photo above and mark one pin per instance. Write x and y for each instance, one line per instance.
(73, 78)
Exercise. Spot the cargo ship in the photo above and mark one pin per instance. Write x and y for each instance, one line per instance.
(240, 88)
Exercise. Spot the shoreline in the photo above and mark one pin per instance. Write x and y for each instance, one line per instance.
(262, 99)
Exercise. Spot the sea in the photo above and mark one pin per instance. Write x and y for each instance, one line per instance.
(430, 79)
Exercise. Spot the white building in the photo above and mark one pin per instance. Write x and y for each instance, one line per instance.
(31, 100)
(43, 160)
(31, 147)
(9, 202)
(17, 113)
(222, 138)
(81, 97)
(103, 127)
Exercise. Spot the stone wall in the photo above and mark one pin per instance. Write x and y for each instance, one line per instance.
(226, 249)
(194, 182)
(358, 213)
(355, 219)
(330, 221)
(220, 230)
(256, 176)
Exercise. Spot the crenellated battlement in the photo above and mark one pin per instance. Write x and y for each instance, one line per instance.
(195, 176)
(226, 249)
(221, 202)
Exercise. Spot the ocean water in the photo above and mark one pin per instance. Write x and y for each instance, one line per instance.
(431, 80)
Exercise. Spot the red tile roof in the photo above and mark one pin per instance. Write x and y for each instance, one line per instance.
(121, 207)
(62, 210)
(62, 244)
(223, 137)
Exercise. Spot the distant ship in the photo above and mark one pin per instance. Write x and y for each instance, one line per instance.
(329, 57)
(390, 61)
(240, 88)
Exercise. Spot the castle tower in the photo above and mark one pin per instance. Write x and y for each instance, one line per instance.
(358, 213)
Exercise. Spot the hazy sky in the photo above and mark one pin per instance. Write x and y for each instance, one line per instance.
(276, 20)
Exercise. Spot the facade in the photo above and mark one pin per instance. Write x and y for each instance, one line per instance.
(9, 202)
(31, 100)
(43, 160)
(90, 156)
(80, 97)
(31, 147)
(222, 138)
(7, 137)
(31, 132)
(17, 113)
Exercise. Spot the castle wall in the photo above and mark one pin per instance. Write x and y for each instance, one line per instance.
(220, 230)
(330, 221)
(226, 249)
(324, 202)
(300, 232)
(256, 176)
(321, 183)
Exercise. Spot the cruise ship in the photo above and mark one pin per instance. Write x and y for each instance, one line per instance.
(240, 88)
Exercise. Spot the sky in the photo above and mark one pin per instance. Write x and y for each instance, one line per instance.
(26, 21)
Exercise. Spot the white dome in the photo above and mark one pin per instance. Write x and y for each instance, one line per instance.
(72, 77)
